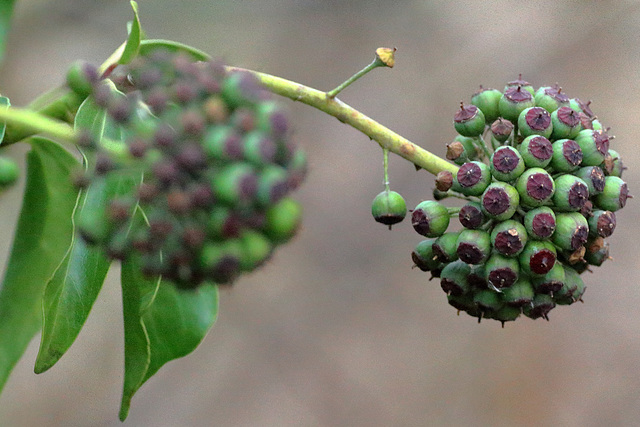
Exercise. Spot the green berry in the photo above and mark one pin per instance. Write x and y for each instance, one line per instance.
(540, 223)
(519, 82)
(469, 120)
(567, 155)
(487, 101)
(473, 246)
(535, 121)
(519, 294)
(223, 223)
(81, 77)
(500, 201)
(597, 252)
(464, 303)
(593, 176)
(223, 143)
(550, 282)
(535, 187)
(258, 148)
(571, 290)
(506, 164)
(273, 185)
(501, 129)
(445, 247)
(501, 271)
(537, 258)
(488, 300)
(256, 249)
(594, 145)
(614, 196)
(453, 278)
(506, 314)
(430, 218)
(536, 151)
(271, 118)
(282, 220)
(612, 164)
(572, 231)
(602, 223)
(541, 305)
(551, 98)
(220, 261)
(235, 183)
(566, 123)
(509, 238)
(9, 172)
(388, 208)
(472, 178)
(514, 101)
(424, 257)
(571, 193)
(240, 89)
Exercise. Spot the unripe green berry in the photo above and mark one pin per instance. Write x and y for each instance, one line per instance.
(9, 172)
(535, 187)
(221, 261)
(282, 220)
(272, 119)
(473, 246)
(572, 231)
(593, 176)
(597, 252)
(240, 89)
(235, 183)
(514, 101)
(571, 290)
(551, 98)
(506, 164)
(541, 305)
(614, 196)
(464, 303)
(602, 223)
(81, 77)
(388, 208)
(540, 223)
(509, 238)
(566, 123)
(501, 271)
(571, 193)
(519, 294)
(424, 257)
(487, 101)
(223, 143)
(537, 258)
(519, 82)
(430, 218)
(501, 129)
(273, 185)
(567, 155)
(472, 178)
(550, 282)
(536, 151)
(594, 145)
(445, 247)
(258, 148)
(500, 201)
(453, 278)
(256, 249)
(535, 121)
(506, 314)
(488, 300)
(612, 164)
(469, 120)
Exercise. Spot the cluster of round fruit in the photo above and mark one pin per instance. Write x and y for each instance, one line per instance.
(217, 167)
(541, 187)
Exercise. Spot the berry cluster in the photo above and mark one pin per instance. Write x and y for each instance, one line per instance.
(217, 167)
(541, 187)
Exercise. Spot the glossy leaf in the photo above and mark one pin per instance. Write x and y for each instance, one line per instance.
(42, 237)
(161, 323)
(147, 46)
(6, 10)
(72, 291)
(133, 41)
(4, 102)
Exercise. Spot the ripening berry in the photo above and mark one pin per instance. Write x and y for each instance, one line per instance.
(453, 278)
(541, 305)
(509, 238)
(602, 223)
(537, 258)
(551, 98)
(471, 215)
(514, 101)
(472, 178)
(445, 247)
(273, 186)
(536, 151)
(567, 155)
(535, 121)
(614, 196)
(500, 201)
(593, 176)
(594, 145)
(487, 300)
(487, 101)
(469, 120)
(430, 218)
(501, 271)
(473, 246)
(424, 257)
(571, 193)
(388, 208)
(535, 187)
(540, 223)
(506, 314)
(255, 250)
(550, 282)
(566, 123)
(519, 294)
(572, 231)
(506, 164)
(572, 289)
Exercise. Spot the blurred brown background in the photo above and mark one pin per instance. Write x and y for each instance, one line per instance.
(338, 330)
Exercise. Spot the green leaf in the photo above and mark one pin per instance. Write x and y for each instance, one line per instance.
(161, 323)
(72, 291)
(133, 41)
(41, 240)
(147, 46)
(4, 102)
(6, 10)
